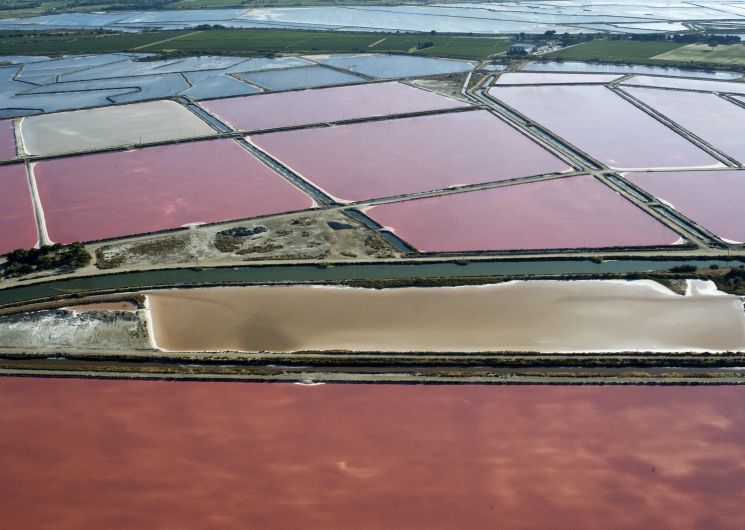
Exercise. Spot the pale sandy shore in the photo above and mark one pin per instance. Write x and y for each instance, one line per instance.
(541, 316)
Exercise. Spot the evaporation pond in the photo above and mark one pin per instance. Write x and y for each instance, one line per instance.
(82, 130)
(605, 126)
(17, 221)
(393, 157)
(571, 212)
(713, 199)
(288, 109)
(176, 454)
(111, 195)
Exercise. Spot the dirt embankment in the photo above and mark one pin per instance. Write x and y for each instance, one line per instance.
(316, 235)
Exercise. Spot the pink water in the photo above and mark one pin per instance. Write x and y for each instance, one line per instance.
(605, 126)
(110, 195)
(572, 212)
(302, 107)
(711, 118)
(7, 140)
(17, 221)
(161, 455)
(393, 157)
(687, 84)
(714, 199)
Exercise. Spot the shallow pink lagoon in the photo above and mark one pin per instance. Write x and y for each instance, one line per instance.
(303, 107)
(714, 199)
(393, 157)
(605, 126)
(711, 118)
(705, 85)
(17, 221)
(94, 454)
(572, 212)
(110, 195)
(7, 140)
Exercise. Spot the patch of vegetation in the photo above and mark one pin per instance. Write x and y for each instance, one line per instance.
(227, 243)
(612, 50)
(245, 42)
(732, 282)
(242, 231)
(260, 249)
(48, 257)
(110, 257)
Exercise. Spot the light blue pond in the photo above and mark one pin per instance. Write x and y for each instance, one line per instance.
(212, 85)
(394, 66)
(303, 77)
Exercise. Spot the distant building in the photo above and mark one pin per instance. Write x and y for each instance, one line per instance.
(521, 48)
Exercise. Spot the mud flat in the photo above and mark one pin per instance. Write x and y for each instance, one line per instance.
(543, 316)
(75, 328)
(76, 131)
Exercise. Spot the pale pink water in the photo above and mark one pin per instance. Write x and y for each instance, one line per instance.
(571, 212)
(17, 221)
(714, 199)
(303, 107)
(605, 126)
(711, 118)
(393, 157)
(110, 195)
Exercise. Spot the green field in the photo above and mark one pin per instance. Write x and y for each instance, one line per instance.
(248, 42)
(631, 51)
(733, 54)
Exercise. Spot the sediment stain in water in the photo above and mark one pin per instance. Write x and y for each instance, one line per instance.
(545, 316)
(165, 455)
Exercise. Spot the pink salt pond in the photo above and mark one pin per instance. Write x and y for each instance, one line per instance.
(7, 140)
(303, 107)
(17, 221)
(713, 199)
(605, 126)
(112, 195)
(571, 212)
(393, 157)
(166, 455)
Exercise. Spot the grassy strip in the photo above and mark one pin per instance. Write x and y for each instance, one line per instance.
(246, 42)
(614, 51)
